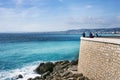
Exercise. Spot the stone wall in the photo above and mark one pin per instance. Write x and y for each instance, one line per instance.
(99, 58)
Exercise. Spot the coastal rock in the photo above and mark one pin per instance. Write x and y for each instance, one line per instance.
(64, 62)
(71, 78)
(81, 78)
(38, 78)
(78, 75)
(74, 62)
(61, 62)
(67, 73)
(86, 78)
(60, 67)
(44, 67)
(73, 68)
(29, 79)
(61, 70)
(19, 76)
(45, 74)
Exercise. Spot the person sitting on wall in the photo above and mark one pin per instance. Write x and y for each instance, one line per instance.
(96, 34)
(83, 34)
(91, 35)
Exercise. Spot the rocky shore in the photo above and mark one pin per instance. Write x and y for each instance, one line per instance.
(61, 70)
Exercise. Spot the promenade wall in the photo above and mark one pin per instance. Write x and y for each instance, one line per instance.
(99, 58)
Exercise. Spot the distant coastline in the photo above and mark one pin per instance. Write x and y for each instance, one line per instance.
(80, 31)
(75, 31)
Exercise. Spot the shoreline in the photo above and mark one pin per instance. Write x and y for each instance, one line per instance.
(60, 70)
(27, 71)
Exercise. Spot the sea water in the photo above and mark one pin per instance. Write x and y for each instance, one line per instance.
(21, 53)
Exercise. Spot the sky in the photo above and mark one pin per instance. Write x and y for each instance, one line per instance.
(58, 15)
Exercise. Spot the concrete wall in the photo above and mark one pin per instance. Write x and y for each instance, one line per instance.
(99, 58)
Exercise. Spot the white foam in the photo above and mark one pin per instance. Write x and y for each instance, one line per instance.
(27, 72)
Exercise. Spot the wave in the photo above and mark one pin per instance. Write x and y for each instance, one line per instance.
(27, 72)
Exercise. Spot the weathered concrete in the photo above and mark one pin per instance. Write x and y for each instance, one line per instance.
(99, 58)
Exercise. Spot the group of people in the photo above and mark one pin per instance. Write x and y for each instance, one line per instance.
(91, 35)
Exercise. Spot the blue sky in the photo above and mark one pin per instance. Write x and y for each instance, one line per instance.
(57, 15)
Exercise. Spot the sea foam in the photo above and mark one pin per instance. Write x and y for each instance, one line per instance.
(26, 72)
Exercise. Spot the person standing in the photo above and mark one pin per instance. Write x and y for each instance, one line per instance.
(91, 35)
(83, 34)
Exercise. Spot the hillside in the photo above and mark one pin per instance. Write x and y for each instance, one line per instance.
(79, 31)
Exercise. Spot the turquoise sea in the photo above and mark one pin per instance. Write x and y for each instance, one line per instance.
(21, 53)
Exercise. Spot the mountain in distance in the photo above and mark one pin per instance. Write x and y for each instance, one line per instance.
(80, 31)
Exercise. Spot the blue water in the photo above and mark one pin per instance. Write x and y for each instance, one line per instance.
(19, 52)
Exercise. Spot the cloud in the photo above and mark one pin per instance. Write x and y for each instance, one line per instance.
(118, 18)
(60, 0)
(18, 2)
(88, 6)
(7, 12)
(21, 13)
(93, 22)
(28, 15)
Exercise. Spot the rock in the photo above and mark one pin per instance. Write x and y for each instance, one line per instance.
(61, 70)
(81, 78)
(49, 77)
(71, 78)
(19, 76)
(74, 62)
(42, 64)
(67, 73)
(73, 68)
(64, 66)
(45, 74)
(29, 79)
(65, 62)
(61, 66)
(44, 67)
(86, 78)
(37, 78)
(78, 75)
(61, 62)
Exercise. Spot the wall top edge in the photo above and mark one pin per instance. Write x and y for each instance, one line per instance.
(105, 40)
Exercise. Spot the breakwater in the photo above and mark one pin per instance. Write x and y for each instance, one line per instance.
(99, 58)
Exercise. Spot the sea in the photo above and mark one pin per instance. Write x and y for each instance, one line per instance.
(21, 53)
